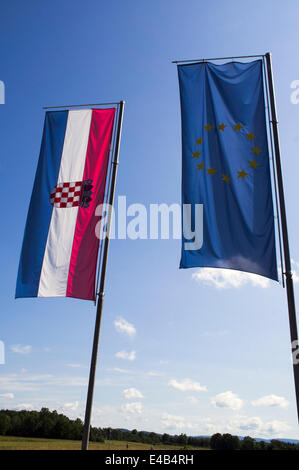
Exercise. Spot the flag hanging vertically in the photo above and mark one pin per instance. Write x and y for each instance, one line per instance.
(225, 166)
(60, 247)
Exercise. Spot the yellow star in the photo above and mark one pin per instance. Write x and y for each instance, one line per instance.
(211, 171)
(238, 127)
(242, 174)
(226, 178)
(221, 127)
(250, 136)
(253, 163)
(208, 127)
(256, 150)
(199, 141)
(196, 154)
(200, 166)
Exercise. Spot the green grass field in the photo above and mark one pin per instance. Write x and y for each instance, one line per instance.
(31, 443)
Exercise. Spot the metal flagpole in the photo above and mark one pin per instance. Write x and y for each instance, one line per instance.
(93, 364)
(285, 240)
(215, 58)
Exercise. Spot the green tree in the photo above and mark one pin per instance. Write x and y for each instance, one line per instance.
(225, 442)
(215, 442)
(248, 443)
(230, 442)
(182, 439)
(4, 424)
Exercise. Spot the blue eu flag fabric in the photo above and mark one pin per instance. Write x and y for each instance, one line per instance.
(225, 166)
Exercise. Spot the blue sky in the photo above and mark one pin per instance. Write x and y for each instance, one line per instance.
(210, 353)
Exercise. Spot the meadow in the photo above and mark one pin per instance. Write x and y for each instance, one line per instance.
(31, 443)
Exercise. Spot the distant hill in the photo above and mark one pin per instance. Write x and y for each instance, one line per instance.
(259, 439)
(202, 436)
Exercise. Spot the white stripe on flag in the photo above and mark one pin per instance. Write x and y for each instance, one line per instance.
(55, 268)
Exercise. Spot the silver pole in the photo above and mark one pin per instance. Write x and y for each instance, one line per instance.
(217, 58)
(94, 355)
(285, 239)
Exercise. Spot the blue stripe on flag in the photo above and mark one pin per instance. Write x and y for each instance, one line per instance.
(40, 209)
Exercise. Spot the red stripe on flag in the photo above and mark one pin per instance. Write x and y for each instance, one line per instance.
(82, 270)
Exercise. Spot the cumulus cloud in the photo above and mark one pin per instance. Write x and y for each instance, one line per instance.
(170, 421)
(24, 406)
(122, 371)
(132, 393)
(18, 348)
(295, 264)
(271, 400)
(123, 326)
(7, 395)
(128, 356)
(193, 400)
(154, 373)
(28, 382)
(256, 427)
(132, 408)
(228, 278)
(71, 406)
(227, 400)
(187, 385)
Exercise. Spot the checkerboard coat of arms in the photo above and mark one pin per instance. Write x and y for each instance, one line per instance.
(72, 194)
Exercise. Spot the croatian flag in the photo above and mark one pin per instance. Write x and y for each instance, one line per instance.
(60, 247)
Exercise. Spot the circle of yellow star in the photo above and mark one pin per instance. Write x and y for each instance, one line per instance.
(208, 127)
(256, 150)
(221, 127)
(226, 178)
(253, 163)
(211, 171)
(200, 166)
(242, 174)
(196, 154)
(238, 127)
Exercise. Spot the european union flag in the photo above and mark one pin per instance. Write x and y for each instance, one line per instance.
(226, 166)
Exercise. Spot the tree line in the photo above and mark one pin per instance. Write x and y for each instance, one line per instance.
(54, 425)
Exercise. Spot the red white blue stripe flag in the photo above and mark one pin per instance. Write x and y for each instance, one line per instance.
(60, 247)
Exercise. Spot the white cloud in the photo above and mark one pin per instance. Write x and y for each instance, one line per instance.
(18, 348)
(228, 278)
(71, 406)
(256, 427)
(132, 393)
(121, 371)
(7, 395)
(27, 382)
(187, 385)
(132, 408)
(24, 406)
(170, 421)
(76, 366)
(227, 400)
(295, 274)
(128, 356)
(154, 373)
(193, 400)
(123, 326)
(271, 400)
